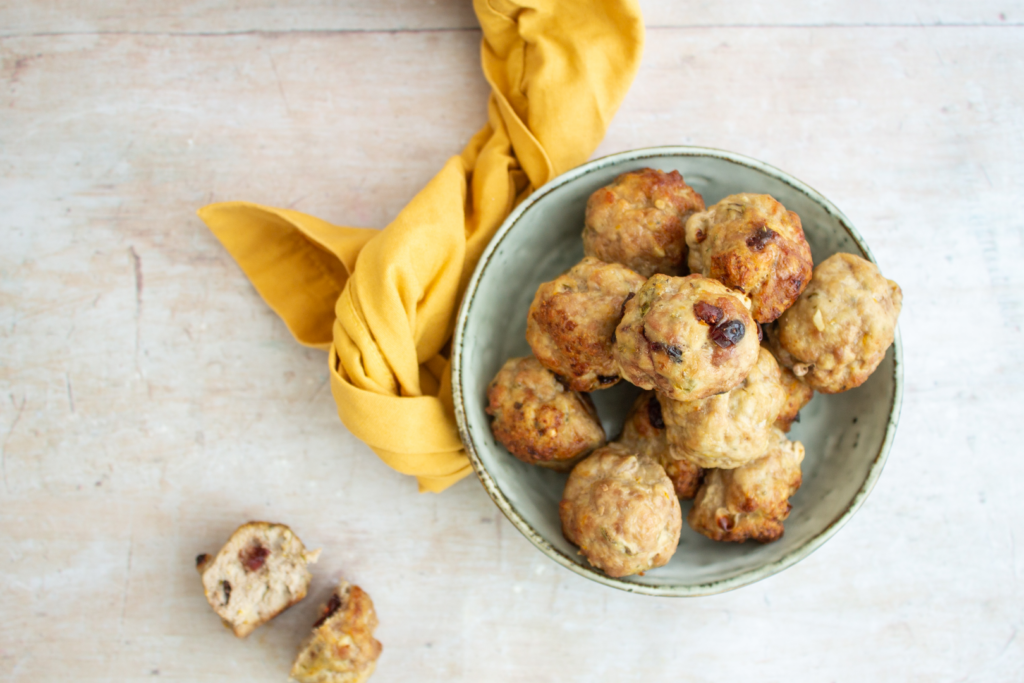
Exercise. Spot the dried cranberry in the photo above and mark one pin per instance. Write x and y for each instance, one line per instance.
(708, 313)
(563, 381)
(654, 413)
(200, 559)
(226, 587)
(674, 352)
(606, 379)
(760, 237)
(332, 606)
(727, 334)
(253, 557)
(622, 311)
(725, 523)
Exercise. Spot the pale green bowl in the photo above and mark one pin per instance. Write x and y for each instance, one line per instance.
(847, 436)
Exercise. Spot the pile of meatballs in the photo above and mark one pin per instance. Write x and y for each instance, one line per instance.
(728, 355)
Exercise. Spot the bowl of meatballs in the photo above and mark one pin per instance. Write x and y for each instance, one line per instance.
(677, 370)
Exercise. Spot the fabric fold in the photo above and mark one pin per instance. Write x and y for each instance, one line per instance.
(384, 302)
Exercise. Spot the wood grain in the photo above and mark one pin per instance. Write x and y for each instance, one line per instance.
(204, 16)
(150, 402)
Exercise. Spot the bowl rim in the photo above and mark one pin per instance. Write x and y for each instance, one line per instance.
(495, 492)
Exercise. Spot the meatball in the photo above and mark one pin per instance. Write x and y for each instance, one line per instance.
(751, 501)
(837, 332)
(621, 510)
(341, 648)
(260, 572)
(686, 337)
(572, 320)
(731, 429)
(751, 243)
(798, 395)
(538, 420)
(640, 221)
(644, 433)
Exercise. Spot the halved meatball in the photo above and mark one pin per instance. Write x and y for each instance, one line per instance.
(260, 572)
(644, 432)
(341, 648)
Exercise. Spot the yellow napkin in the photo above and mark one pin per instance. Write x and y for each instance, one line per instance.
(384, 302)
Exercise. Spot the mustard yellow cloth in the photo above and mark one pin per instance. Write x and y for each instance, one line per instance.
(383, 303)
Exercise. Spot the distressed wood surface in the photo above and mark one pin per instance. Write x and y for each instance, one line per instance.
(150, 402)
(204, 16)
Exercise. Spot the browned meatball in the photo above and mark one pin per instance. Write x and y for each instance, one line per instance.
(686, 337)
(731, 429)
(341, 648)
(572, 320)
(837, 332)
(621, 510)
(798, 395)
(751, 243)
(644, 433)
(538, 420)
(640, 220)
(751, 501)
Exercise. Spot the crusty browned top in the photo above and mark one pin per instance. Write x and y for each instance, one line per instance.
(572, 321)
(750, 242)
(686, 337)
(640, 221)
(537, 419)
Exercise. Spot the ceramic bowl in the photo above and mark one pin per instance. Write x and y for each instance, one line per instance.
(846, 436)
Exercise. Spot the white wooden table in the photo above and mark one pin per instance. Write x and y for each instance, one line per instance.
(150, 402)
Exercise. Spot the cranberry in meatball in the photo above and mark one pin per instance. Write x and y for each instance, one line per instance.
(686, 337)
(572, 322)
(644, 432)
(538, 420)
(751, 243)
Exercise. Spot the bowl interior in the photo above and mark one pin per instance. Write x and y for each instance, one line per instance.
(846, 436)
